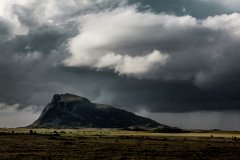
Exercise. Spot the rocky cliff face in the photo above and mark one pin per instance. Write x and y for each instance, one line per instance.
(71, 111)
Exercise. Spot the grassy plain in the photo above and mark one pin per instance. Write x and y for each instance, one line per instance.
(117, 144)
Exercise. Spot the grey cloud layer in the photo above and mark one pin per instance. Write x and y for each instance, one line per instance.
(119, 54)
(197, 8)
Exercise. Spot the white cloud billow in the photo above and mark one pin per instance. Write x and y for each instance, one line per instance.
(7, 14)
(117, 31)
(228, 23)
(125, 64)
(50, 12)
(124, 38)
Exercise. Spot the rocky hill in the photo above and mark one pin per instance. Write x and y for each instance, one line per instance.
(71, 111)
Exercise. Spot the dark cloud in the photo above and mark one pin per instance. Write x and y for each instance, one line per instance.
(200, 74)
(5, 30)
(197, 120)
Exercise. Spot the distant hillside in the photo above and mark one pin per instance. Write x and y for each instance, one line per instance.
(71, 111)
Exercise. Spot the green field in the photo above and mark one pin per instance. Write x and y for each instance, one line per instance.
(117, 144)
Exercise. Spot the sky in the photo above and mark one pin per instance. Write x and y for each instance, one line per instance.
(175, 61)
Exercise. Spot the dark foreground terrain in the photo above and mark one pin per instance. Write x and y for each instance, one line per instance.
(113, 144)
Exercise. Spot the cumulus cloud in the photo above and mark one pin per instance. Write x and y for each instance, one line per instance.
(226, 23)
(195, 46)
(7, 14)
(16, 13)
(132, 65)
(103, 33)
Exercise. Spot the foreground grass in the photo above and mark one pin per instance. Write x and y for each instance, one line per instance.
(116, 144)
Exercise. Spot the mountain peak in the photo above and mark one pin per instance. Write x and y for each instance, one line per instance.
(67, 97)
(72, 111)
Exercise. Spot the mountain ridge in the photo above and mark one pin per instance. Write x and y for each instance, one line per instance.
(72, 111)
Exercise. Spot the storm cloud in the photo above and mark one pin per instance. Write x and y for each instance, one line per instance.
(162, 57)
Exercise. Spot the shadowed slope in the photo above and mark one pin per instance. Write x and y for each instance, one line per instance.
(71, 111)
